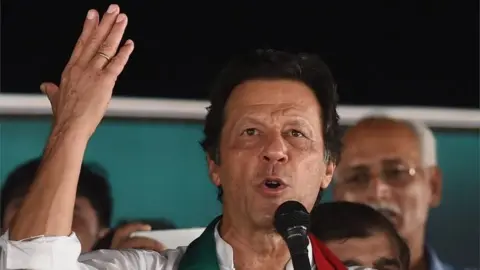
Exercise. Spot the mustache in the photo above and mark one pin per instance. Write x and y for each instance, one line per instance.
(274, 171)
(384, 207)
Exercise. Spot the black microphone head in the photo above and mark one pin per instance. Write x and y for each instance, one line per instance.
(291, 214)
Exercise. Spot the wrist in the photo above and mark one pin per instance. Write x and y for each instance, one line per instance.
(71, 133)
(74, 131)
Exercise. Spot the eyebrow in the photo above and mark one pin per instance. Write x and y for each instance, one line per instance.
(248, 119)
(351, 262)
(296, 121)
(359, 167)
(387, 161)
(383, 261)
(393, 161)
(299, 121)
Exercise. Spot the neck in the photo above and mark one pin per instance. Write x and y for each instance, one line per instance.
(254, 248)
(416, 243)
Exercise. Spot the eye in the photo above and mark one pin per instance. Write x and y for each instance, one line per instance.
(250, 132)
(358, 178)
(296, 133)
(397, 173)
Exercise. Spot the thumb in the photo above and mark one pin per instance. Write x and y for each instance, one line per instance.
(49, 89)
(124, 232)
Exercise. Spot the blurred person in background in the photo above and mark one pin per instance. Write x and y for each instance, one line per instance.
(359, 236)
(93, 208)
(271, 136)
(391, 165)
(93, 204)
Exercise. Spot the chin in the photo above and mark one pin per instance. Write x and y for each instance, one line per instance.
(264, 222)
(309, 206)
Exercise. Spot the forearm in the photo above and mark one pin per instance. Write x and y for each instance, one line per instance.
(48, 207)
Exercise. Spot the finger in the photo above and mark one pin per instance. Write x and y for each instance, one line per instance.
(142, 243)
(124, 232)
(49, 89)
(89, 26)
(99, 36)
(115, 67)
(110, 46)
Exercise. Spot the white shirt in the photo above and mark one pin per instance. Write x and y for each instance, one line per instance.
(63, 253)
(225, 254)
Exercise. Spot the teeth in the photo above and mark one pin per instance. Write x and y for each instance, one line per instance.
(272, 184)
(387, 212)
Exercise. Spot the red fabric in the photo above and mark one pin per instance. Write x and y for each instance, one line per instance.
(323, 257)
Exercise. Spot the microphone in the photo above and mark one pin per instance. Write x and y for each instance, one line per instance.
(292, 222)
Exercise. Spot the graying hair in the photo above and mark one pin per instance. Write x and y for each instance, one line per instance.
(426, 139)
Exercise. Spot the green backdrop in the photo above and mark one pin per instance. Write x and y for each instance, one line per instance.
(157, 169)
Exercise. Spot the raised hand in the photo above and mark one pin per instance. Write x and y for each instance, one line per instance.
(88, 79)
(122, 239)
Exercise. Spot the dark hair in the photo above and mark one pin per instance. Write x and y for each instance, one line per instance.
(92, 185)
(270, 64)
(343, 220)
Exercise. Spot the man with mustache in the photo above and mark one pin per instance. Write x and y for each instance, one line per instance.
(271, 135)
(391, 165)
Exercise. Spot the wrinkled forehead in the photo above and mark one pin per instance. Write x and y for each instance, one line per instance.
(374, 143)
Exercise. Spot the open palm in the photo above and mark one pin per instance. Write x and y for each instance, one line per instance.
(81, 99)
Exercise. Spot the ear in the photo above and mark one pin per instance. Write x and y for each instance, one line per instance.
(328, 175)
(103, 232)
(213, 171)
(435, 186)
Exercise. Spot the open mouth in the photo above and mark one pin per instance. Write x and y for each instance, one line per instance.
(387, 213)
(273, 186)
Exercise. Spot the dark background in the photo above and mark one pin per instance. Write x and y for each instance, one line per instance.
(381, 52)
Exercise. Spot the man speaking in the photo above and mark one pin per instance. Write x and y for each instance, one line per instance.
(271, 136)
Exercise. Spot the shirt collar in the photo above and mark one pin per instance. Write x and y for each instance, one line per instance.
(434, 261)
(225, 253)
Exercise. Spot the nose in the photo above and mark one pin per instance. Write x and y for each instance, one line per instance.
(377, 189)
(275, 151)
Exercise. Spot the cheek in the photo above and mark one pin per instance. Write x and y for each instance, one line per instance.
(9, 213)
(84, 226)
(351, 196)
(86, 222)
(310, 161)
(413, 200)
(310, 174)
(236, 169)
(87, 231)
(310, 170)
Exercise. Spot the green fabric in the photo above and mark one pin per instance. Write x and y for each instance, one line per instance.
(201, 254)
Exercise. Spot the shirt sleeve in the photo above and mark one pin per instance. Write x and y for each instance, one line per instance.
(61, 253)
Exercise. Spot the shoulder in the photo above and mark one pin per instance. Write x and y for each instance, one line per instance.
(435, 262)
(133, 259)
(446, 266)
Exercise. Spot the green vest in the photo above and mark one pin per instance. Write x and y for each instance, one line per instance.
(201, 254)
